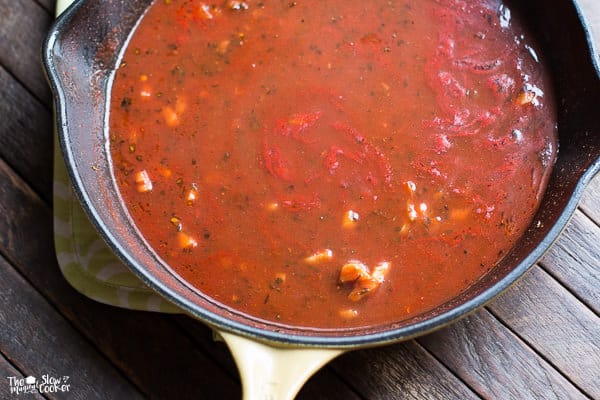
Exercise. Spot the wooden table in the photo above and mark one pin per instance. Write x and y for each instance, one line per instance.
(538, 340)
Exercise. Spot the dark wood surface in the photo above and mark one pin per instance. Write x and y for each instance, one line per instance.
(538, 340)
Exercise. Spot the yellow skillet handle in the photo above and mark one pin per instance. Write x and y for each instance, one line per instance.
(61, 5)
(274, 373)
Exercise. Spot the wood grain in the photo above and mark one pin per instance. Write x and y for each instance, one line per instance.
(400, 371)
(25, 223)
(33, 350)
(25, 134)
(495, 362)
(7, 371)
(556, 325)
(590, 201)
(22, 32)
(48, 5)
(575, 260)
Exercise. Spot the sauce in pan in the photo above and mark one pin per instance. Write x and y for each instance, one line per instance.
(331, 164)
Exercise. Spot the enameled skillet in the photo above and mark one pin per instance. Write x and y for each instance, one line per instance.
(80, 55)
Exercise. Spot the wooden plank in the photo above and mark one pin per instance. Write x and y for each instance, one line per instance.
(554, 323)
(32, 334)
(495, 363)
(400, 371)
(147, 347)
(575, 260)
(20, 47)
(590, 201)
(9, 374)
(154, 354)
(25, 223)
(26, 134)
(203, 336)
(326, 385)
(48, 5)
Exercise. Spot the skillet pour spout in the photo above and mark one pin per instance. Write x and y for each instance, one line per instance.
(81, 54)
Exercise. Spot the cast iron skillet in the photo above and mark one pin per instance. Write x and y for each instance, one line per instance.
(80, 55)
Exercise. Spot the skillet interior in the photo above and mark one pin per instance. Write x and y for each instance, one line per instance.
(80, 55)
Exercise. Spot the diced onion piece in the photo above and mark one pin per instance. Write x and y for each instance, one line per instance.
(416, 211)
(172, 114)
(348, 313)
(410, 186)
(404, 230)
(319, 256)
(176, 222)
(411, 211)
(350, 219)
(143, 182)
(146, 91)
(191, 197)
(272, 206)
(186, 241)
(205, 12)
(222, 47)
(380, 271)
(525, 97)
(237, 5)
(353, 270)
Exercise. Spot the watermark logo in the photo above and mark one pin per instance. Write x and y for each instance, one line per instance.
(45, 384)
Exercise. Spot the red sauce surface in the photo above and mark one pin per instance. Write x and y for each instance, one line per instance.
(331, 164)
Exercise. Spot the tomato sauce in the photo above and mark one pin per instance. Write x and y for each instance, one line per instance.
(331, 164)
